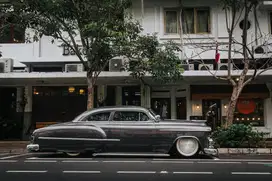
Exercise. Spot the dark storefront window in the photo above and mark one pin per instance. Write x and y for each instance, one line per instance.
(131, 95)
(58, 104)
(250, 111)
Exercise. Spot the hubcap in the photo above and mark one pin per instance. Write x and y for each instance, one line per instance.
(187, 146)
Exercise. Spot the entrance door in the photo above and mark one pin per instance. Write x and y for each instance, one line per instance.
(206, 103)
(162, 107)
(181, 108)
(131, 95)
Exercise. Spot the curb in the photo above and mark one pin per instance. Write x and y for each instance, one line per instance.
(243, 151)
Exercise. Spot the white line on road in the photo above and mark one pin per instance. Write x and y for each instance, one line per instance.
(180, 162)
(15, 156)
(220, 162)
(40, 161)
(79, 161)
(26, 171)
(250, 173)
(124, 161)
(8, 161)
(81, 172)
(208, 173)
(136, 172)
(259, 163)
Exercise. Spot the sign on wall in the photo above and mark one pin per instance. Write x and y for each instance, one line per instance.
(68, 51)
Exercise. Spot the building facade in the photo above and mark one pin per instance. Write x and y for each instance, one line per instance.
(54, 83)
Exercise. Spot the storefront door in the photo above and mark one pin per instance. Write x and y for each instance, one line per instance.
(162, 107)
(206, 103)
(181, 108)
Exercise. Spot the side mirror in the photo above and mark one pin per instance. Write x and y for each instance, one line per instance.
(157, 118)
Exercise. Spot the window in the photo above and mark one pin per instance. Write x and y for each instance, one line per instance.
(171, 21)
(130, 116)
(250, 111)
(104, 116)
(194, 20)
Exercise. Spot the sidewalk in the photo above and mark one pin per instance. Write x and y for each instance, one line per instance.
(13, 146)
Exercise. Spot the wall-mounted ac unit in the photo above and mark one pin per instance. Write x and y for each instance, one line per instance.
(205, 67)
(6, 65)
(74, 68)
(188, 66)
(261, 51)
(116, 65)
(224, 66)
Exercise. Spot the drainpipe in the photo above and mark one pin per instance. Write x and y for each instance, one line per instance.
(142, 11)
(181, 33)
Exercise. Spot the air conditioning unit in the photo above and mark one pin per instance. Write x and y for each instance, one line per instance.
(188, 66)
(116, 65)
(205, 67)
(260, 51)
(74, 68)
(224, 66)
(6, 65)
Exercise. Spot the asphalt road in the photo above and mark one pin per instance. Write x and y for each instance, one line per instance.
(44, 167)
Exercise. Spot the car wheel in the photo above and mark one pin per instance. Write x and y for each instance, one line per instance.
(187, 147)
(73, 154)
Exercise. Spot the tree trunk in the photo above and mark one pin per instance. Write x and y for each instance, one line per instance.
(231, 107)
(90, 98)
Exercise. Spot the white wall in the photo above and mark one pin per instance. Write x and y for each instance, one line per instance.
(152, 22)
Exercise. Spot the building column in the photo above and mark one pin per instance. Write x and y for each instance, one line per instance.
(118, 95)
(143, 95)
(188, 102)
(173, 103)
(147, 97)
(24, 93)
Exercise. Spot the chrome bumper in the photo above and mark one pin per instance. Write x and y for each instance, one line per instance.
(32, 147)
(211, 151)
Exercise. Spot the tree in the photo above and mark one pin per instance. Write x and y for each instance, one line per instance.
(237, 13)
(106, 30)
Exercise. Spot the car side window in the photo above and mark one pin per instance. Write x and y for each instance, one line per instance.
(103, 116)
(126, 116)
(143, 117)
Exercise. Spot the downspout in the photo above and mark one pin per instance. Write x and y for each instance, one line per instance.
(181, 33)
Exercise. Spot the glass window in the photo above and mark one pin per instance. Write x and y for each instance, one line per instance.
(104, 116)
(196, 20)
(126, 116)
(143, 117)
(171, 21)
(250, 111)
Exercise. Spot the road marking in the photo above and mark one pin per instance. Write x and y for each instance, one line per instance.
(180, 162)
(136, 172)
(220, 162)
(79, 161)
(163, 172)
(250, 173)
(259, 163)
(8, 161)
(81, 172)
(26, 171)
(15, 156)
(40, 161)
(208, 173)
(125, 161)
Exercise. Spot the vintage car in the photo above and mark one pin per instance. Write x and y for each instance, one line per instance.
(124, 129)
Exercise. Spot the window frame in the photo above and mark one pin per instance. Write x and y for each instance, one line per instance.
(138, 112)
(195, 9)
(95, 113)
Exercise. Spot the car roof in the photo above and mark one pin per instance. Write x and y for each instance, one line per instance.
(113, 108)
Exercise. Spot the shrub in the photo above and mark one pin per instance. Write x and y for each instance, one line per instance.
(237, 136)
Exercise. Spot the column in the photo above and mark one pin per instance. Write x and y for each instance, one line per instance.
(188, 102)
(118, 95)
(143, 95)
(25, 116)
(147, 97)
(173, 103)
(101, 92)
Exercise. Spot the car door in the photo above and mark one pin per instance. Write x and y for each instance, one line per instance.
(136, 131)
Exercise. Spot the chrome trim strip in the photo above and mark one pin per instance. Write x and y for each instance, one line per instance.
(76, 139)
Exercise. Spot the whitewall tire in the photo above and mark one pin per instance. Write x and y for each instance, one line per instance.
(73, 154)
(187, 147)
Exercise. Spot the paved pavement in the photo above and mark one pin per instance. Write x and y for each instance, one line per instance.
(44, 167)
